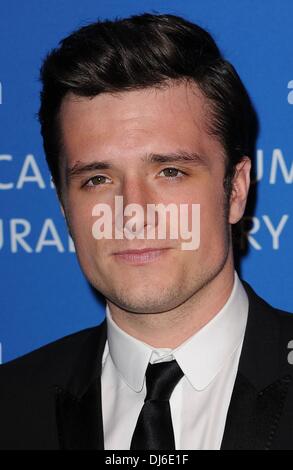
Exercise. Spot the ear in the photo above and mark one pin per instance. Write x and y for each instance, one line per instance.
(64, 215)
(62, 209)
(240, 189)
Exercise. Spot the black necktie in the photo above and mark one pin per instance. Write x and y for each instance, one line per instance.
(154, 430)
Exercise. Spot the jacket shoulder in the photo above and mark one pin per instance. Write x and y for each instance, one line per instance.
(282, 315)
(50, 361)
(267, 317)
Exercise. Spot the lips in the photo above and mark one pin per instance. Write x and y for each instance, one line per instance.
(134, 252)
(140, 257)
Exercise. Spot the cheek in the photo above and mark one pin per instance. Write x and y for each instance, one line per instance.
(211, 201)
(212, 219)
(81, 221)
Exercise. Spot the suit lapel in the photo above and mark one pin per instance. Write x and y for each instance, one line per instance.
(78, 403)
(253, 417)
(79, 422)
(262, 383)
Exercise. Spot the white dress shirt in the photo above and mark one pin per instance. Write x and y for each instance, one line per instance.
(199, 402)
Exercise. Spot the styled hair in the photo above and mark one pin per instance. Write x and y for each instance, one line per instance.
(146, 50)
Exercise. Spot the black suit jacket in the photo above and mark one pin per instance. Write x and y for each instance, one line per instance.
(51, 397)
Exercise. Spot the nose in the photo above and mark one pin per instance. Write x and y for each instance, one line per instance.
(136, 195)
(135, 190)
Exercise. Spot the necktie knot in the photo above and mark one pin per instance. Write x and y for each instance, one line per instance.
(161, 379)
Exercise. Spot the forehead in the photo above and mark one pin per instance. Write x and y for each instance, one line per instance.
(152, 119)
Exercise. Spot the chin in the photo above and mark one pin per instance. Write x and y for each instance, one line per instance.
(145, 302)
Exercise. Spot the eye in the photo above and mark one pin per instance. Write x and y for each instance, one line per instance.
(96, 181)
(172, 173)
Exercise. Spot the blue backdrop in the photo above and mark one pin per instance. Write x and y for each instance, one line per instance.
(44, 296)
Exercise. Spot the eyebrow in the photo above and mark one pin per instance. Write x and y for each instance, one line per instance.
(79, 168)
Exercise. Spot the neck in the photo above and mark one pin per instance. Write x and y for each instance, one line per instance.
(170, 329)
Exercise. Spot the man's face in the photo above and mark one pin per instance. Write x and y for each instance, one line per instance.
(125, 130)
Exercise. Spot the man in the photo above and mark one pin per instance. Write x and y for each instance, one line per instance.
(188, 357)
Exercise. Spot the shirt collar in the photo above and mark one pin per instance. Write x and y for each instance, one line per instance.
(201, 357)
